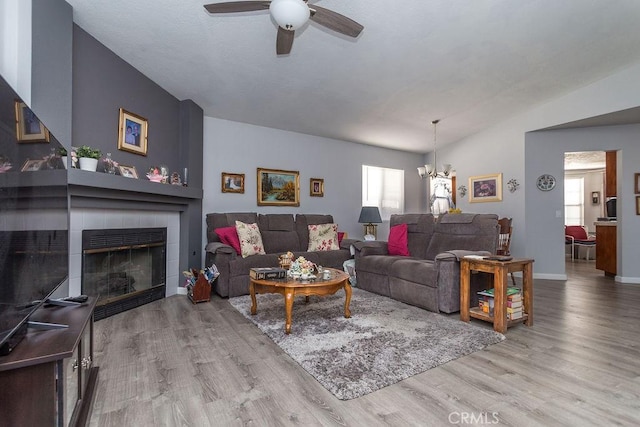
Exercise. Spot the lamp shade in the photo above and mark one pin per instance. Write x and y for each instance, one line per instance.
(369, 215)
(289, 14)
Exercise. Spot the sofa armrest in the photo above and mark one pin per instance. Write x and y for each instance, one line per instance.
(219, 248)
(346, 243)
(448, 267)
(370, 247)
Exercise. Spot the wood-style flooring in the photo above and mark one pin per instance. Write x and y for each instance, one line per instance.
(171, 363)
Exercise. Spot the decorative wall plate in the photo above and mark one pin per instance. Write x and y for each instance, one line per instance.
(546, 182)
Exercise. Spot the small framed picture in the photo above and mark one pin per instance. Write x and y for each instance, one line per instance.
(32, 165)
(132, 133)
(316, 187)
(232, 182)
(637, 205)
(28, 127)
(278, 187)
(128, 171)
(637, 182)
(485, 188)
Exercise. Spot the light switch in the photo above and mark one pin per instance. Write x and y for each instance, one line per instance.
(558, 214)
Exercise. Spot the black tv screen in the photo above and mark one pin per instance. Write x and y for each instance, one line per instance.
(34, 240)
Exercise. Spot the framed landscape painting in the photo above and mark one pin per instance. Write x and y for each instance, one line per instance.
(278, 187)
(485, 188)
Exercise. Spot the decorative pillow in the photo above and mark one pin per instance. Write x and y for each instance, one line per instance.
(340, 237)
(229, 236)
(323, 237)
(398, 243)
(250, 239)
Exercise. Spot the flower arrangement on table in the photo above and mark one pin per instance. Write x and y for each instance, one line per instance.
(303, 268)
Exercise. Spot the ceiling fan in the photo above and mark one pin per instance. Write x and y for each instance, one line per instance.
(291, 15)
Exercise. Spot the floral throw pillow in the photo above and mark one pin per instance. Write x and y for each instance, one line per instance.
(323, 237)
(250, 239)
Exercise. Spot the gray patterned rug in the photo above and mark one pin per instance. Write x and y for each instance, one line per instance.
(384, 341)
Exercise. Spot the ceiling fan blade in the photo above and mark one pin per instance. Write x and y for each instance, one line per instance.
(284, 41)
(335, 21)
(237, 6)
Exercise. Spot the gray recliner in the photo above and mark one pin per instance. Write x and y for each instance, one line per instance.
(430, 276)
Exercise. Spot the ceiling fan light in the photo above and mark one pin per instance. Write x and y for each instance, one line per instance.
(289, 14)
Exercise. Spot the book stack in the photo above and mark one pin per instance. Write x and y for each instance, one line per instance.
(514, 302)
(514, 306)
(267, 273)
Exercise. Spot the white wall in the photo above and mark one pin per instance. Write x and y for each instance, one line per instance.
(15, 46)
(501, 148)
(544, 229)
(241, 148)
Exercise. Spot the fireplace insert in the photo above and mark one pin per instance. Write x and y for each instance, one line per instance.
(124, 268)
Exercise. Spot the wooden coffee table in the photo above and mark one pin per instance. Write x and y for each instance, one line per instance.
(289, 288)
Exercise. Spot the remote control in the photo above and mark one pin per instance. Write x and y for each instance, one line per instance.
(79, 298)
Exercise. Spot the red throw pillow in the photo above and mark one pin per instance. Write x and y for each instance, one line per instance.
(229, 236)
(340, 237)
(398, 243)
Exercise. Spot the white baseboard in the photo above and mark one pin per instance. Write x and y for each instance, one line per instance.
(631, 280)
(550, 276)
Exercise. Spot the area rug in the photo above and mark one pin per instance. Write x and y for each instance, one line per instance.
(384, 341)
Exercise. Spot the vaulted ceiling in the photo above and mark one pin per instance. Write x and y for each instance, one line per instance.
(470, 63)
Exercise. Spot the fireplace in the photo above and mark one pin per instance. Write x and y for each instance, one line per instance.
(123, 267)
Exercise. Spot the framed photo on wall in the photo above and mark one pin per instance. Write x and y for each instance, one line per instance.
(232, 182)
(278, 187)
(316, 187)
(485, 188)
(28, 127)
(132, 133)
(636, 179)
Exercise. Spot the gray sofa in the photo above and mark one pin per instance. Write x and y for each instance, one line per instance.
(280, 233)
(430, 276)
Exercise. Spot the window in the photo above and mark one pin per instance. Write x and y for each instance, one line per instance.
(574, 201)
(384, 188)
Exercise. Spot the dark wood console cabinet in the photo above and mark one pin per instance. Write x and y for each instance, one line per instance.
(606, 248)
(49, 379)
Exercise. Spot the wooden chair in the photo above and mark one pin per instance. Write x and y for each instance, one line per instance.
(504, 240)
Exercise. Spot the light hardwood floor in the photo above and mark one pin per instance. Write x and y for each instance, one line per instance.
(170, 363)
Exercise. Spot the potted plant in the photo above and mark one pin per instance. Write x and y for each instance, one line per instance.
(88, 157)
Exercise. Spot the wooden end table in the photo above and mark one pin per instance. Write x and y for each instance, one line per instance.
(500, 271)
(290, 287)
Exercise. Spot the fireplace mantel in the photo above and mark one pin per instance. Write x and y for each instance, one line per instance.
(101, 190)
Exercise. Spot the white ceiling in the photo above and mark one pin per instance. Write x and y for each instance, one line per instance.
(470, 63)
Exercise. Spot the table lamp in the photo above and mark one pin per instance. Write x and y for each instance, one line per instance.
(369, 215)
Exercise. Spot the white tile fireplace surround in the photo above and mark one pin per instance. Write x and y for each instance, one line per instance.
(98, 219)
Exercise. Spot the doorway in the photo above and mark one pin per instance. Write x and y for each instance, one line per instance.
(584, 201)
